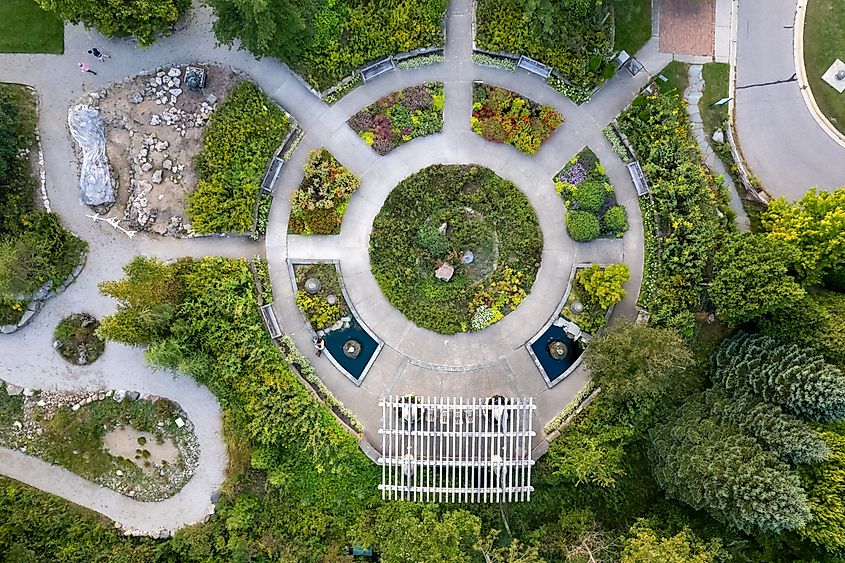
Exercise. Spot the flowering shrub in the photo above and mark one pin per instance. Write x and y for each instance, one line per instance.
(401, 116)
(484, 316)
(503, 116)
(342, 89)
(237, 144)
(495, 62)
(318, 204)
(587, 190)
(577, 94)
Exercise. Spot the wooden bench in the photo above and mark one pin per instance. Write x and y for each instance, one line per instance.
(638, 177)
(534, 67)
(269, 316)
(377, 68)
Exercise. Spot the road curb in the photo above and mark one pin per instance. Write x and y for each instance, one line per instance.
(801, 72)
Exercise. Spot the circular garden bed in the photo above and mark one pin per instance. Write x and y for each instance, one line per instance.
(76, 339)
(463, 224)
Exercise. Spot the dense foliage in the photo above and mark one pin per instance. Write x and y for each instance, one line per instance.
(816, 226)
(399, 117)
(503, 116)
(433, 217)
(318, 204)
(142, 18)
(325, 40)
(586, 189)
(597, 289)
(686, 204)
(572, 36)
(715, 467)
(788, 375)
(238, 142)
(34, 248)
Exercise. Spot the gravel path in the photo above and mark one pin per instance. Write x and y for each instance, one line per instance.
(29, 361)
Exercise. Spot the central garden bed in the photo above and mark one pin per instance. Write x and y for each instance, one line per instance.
(464, 224)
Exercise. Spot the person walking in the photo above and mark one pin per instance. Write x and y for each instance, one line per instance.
(319, 346)
(97, 54)
(85, 68)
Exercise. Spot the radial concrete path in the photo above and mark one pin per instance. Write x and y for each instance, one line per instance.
(27, 356)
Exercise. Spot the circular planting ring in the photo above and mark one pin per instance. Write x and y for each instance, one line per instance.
(455, 248)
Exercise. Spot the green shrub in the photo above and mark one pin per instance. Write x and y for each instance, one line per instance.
(431, 239)
(615, 220)
(589, 196)
(583, 226)
(317, 310)
(238, 142)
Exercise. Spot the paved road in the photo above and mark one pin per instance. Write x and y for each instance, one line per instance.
(784, 146)
(28, 359)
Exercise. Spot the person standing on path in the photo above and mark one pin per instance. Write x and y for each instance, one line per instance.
(97, 54)
(85, 68)
(319, 346)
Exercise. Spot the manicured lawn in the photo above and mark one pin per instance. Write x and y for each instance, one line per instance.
(633, 24)
(678, 75)
(824, 42)
(715, 88)
(26, 28)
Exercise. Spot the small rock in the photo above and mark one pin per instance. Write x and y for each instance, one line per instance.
(28, 392)
(17, 424)
(176, 92)
(167, 164)
(147, 167)
(133, 395)
(41, 403)
(719, 136)
(119, 395)
(161, 146)
(13, 390)
(158, 81)
(157, 177)
(136, 98)
(174, 72)
(212, 99)
(75, 407)
(119, 473)
(160, 197)
(144, 151)
(131, 493)
(155, 119)
(179, 422)
(109, 393)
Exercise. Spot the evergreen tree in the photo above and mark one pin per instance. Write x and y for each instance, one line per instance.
(714, 467)
(825, 485)
(792, 439)
(792, 376)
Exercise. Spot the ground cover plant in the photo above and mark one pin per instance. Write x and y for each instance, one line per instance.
(596, 289)
(574, 36)
(76, 339)
(318, 204)
(34, 248)
(325, 40)
(143, 19)
(105, 441)
(45, 33)
(686, 202)
(824, 42)
(433, 217)
(590, 199)
(238, 142)
(327, 305)
(503, 116)
(402, 116)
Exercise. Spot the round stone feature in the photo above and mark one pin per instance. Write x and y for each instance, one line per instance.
(351, 348)
(313, 286)
(557, 350)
